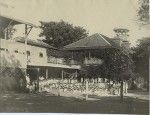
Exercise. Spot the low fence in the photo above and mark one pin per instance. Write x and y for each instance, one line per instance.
(81, 88)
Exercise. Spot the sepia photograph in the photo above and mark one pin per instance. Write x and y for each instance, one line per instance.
(74, 56)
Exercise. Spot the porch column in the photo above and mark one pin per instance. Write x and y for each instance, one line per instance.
(76, 74)
(62, 74)
(89, 55)
(46, 73)
(86, 86)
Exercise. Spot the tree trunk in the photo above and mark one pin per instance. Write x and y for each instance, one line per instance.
(121, 91)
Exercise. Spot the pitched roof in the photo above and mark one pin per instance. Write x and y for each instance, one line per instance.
(94, 41)
(38, 43)
(5, 21)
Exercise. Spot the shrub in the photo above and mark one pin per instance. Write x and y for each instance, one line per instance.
(11, 76)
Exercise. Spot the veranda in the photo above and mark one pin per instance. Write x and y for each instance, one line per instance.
(72, 85)
(88, 52)
(73, 82)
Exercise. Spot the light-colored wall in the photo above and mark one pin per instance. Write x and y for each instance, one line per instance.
(34, 57)
(10, 58)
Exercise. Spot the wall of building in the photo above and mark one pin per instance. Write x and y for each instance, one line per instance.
(8, 52)
(36, 56)
(12, 68)
(17, 50)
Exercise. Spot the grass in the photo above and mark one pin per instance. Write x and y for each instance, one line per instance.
(20, 102)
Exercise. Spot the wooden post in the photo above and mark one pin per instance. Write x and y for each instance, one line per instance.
(76, 75)
(72, 55)
(46, 73)
(89, 55)
(125, 88)
(121, 91)
(62, 75)
(147, 81)
(81, 80)
(59, 88)
(26, 48)
(38, 74)
(5, 37)
(86, 85)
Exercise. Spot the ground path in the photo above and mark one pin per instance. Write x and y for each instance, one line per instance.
(139, 94)
(20, 102)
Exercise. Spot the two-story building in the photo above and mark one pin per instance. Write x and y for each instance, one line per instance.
(34, 57)
(37, 55)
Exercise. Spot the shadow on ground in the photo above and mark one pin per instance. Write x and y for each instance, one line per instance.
(43, 102)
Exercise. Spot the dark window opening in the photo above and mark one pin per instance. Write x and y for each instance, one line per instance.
(2, 49)
(28, 53)
(16, 51)
(7, 51)
(41, 54)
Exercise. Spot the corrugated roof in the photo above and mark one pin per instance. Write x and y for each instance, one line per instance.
(38, 43)
(5, 20)
(94, 41)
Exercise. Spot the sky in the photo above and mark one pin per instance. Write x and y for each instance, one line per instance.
(96, 16)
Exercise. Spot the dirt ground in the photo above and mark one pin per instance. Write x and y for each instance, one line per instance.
(49, 103)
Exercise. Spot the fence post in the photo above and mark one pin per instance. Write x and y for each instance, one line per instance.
(86, 86)
(125, 84)
(38, 74)
(59, 88)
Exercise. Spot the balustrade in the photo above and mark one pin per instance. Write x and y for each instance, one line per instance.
(55, 60)
(93, 61)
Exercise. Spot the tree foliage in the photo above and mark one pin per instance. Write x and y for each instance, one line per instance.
(117, 65)
(143, 11)
(59, 34)
(141, 57)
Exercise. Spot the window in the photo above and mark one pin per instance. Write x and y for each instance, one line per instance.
(16, 51)
(28, 53)
(2, 49)
(41, 54)
(7, 51)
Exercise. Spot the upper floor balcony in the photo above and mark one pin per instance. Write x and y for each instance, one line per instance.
(70, 62)
(86, 61)
(92, 61)
(62, 61)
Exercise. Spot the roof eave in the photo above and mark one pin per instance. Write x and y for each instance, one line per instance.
(87, 48)
(17, 21)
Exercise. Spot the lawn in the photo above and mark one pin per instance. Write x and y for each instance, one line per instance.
(42, 102)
